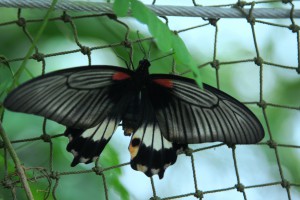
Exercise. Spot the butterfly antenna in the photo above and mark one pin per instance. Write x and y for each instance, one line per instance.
(120, 57)
(161, 57)
(149, 51)
(140, 44)
(131, 57)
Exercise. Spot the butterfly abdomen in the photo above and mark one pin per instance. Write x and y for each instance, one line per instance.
(133, 114)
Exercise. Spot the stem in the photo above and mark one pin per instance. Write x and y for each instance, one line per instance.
(17, 162)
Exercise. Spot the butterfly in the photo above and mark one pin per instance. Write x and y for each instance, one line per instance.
(161, 112)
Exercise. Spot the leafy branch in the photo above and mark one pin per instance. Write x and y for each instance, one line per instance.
(165, 38)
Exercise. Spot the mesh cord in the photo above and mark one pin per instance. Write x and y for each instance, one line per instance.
(53, 177)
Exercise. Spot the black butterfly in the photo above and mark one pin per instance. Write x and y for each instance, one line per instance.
(163, 112)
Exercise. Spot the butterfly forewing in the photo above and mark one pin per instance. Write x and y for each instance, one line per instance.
(187, 114)
(79, 97)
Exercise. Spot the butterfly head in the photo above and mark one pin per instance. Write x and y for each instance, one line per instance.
(144, 65)
(143, 68)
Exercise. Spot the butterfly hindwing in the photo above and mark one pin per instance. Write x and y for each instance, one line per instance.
(150, 152)
(78, 97)
(187, 114)
(87, 145)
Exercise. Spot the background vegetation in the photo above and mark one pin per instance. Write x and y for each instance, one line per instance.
(257, 163)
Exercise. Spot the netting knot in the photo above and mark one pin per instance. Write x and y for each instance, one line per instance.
(111, 16)
(213, 21)
(1, 144)
(262, 104)
(7, 183)
(126, 43)
(272, 144)
(54, 175)
(98, 170)
(251, 20)
(285, 184)
(4, 61)
(38, 57)
(215, 64)
(155, 198)
(85, 50)
(241, 4)
(46, 138)
(188, 151)
(232, 146)
(175, 32)
(240, 187)
(198, 194)
(294, 28)
(21, 22)
(258, 61)
(65, 17)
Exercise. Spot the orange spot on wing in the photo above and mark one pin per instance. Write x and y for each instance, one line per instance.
(133, 150)
(164, 82)
(118, 76)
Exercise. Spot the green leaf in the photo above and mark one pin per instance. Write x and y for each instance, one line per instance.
(162, 34)
(165, 39)
(118, 186)
(140, 12)
(120, 7)
(157, 28)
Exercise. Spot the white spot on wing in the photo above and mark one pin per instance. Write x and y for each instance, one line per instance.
(101, 131)
(70, 137)
(167, 165)
(155, 171)
(151, 135)
(83, 159)
(89, 132)
(106, 129)
(141, 168)
(95, 158)
(157, 142)
(75, 153)
(167, 144)
(148, 135)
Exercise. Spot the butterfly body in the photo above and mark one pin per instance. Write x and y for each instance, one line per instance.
(162, 113)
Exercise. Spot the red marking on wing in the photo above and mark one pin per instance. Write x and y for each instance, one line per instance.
(118, 76)
(164, 82)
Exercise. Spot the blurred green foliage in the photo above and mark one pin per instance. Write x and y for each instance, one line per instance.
(14, 44)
